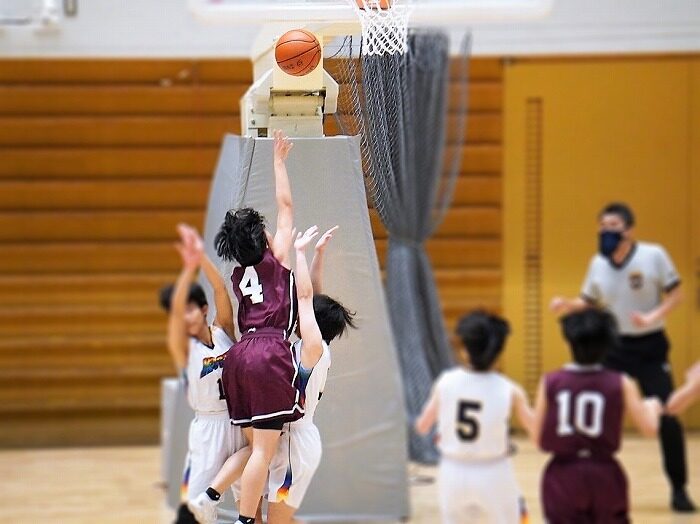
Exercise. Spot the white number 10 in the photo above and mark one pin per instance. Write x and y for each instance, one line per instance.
(590, 401)
(250, 286)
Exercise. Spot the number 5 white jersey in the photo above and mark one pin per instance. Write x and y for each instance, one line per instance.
(474, 411)
(205, 391)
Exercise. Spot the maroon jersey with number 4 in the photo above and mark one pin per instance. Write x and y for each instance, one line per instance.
(266, 294)
(585, 408)
(260, 375)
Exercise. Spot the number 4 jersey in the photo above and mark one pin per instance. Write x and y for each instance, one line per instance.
(267, 296)
(585, 408)
(474, 410)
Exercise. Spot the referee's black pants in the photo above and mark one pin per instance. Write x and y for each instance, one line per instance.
(645, 358)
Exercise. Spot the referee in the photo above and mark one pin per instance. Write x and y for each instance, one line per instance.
(638, 283)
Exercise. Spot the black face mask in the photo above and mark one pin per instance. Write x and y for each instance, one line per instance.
(608, 242)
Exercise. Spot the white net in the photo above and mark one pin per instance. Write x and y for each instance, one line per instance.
(384, 25)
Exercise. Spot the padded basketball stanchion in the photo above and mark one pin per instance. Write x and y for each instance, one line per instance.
(361, 417)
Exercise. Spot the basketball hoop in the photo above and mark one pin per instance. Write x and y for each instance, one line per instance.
(384, 25)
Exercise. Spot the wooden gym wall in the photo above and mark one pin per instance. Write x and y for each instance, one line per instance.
(99, 159)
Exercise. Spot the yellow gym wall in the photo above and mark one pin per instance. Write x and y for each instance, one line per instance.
(580, 133)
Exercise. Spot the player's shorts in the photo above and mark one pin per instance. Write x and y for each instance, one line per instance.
(585, 490)
(293, 466)
(212, 440)
(261, 380)
(478, 492)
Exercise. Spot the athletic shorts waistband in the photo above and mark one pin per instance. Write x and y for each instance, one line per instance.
(264, 332)
(585, 455)
(212, 414)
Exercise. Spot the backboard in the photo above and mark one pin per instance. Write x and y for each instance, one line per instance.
(444, 12)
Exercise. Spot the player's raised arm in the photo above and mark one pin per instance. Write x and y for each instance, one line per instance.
(178, 340)
(312, 342)
(282, 240)
(318, 260)
(645, 413)
(224, 310)
(523, 410)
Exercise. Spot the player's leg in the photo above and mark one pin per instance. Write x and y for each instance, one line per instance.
(456, 505)
(563, 494)
(499, 493)
(611, 498)
(210, 446)
(291, 471)
(205, 503)
(264, 445)
(655, 380)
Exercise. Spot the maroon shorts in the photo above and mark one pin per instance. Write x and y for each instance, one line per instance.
(585, 491)
(261, 380)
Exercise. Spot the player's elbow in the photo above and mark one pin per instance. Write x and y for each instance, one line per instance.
(284, 203)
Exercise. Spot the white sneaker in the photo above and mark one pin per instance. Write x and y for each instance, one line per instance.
(203, 508)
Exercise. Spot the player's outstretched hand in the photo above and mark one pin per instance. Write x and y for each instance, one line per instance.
(190, 246)
(326, 238)
(282, 146)
(304, 239)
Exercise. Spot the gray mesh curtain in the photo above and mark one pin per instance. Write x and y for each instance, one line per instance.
(399, 105)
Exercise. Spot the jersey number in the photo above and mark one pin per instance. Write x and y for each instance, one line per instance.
(250, 285)
(467, 424)
(588, 408)
(222, 393)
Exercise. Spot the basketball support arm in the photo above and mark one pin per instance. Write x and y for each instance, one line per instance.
(276, 100)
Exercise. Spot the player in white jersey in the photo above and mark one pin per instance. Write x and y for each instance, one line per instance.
(199, 349)
(471, 407)
(321, 320)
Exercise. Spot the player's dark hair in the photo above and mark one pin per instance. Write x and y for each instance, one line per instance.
(332, 317)
(620, 209)
(242, 237)
(196, 295)
(591, 334)
(483, 336)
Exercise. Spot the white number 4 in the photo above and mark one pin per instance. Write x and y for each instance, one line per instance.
(250, 286)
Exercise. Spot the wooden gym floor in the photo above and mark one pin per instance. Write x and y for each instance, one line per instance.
(121, 485)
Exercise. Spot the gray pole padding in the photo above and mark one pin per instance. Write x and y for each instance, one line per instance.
(362, 417)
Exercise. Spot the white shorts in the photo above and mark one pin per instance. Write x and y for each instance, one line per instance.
(212, 440)
(293, 466)
(478, 492)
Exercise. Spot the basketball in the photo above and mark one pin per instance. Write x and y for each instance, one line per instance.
(298, 52)
(383, 4)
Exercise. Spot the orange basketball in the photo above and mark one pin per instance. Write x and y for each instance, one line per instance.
(298, 52)
(383, 4)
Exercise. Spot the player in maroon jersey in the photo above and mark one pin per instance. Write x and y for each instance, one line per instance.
(578, 419)
(260, 374)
